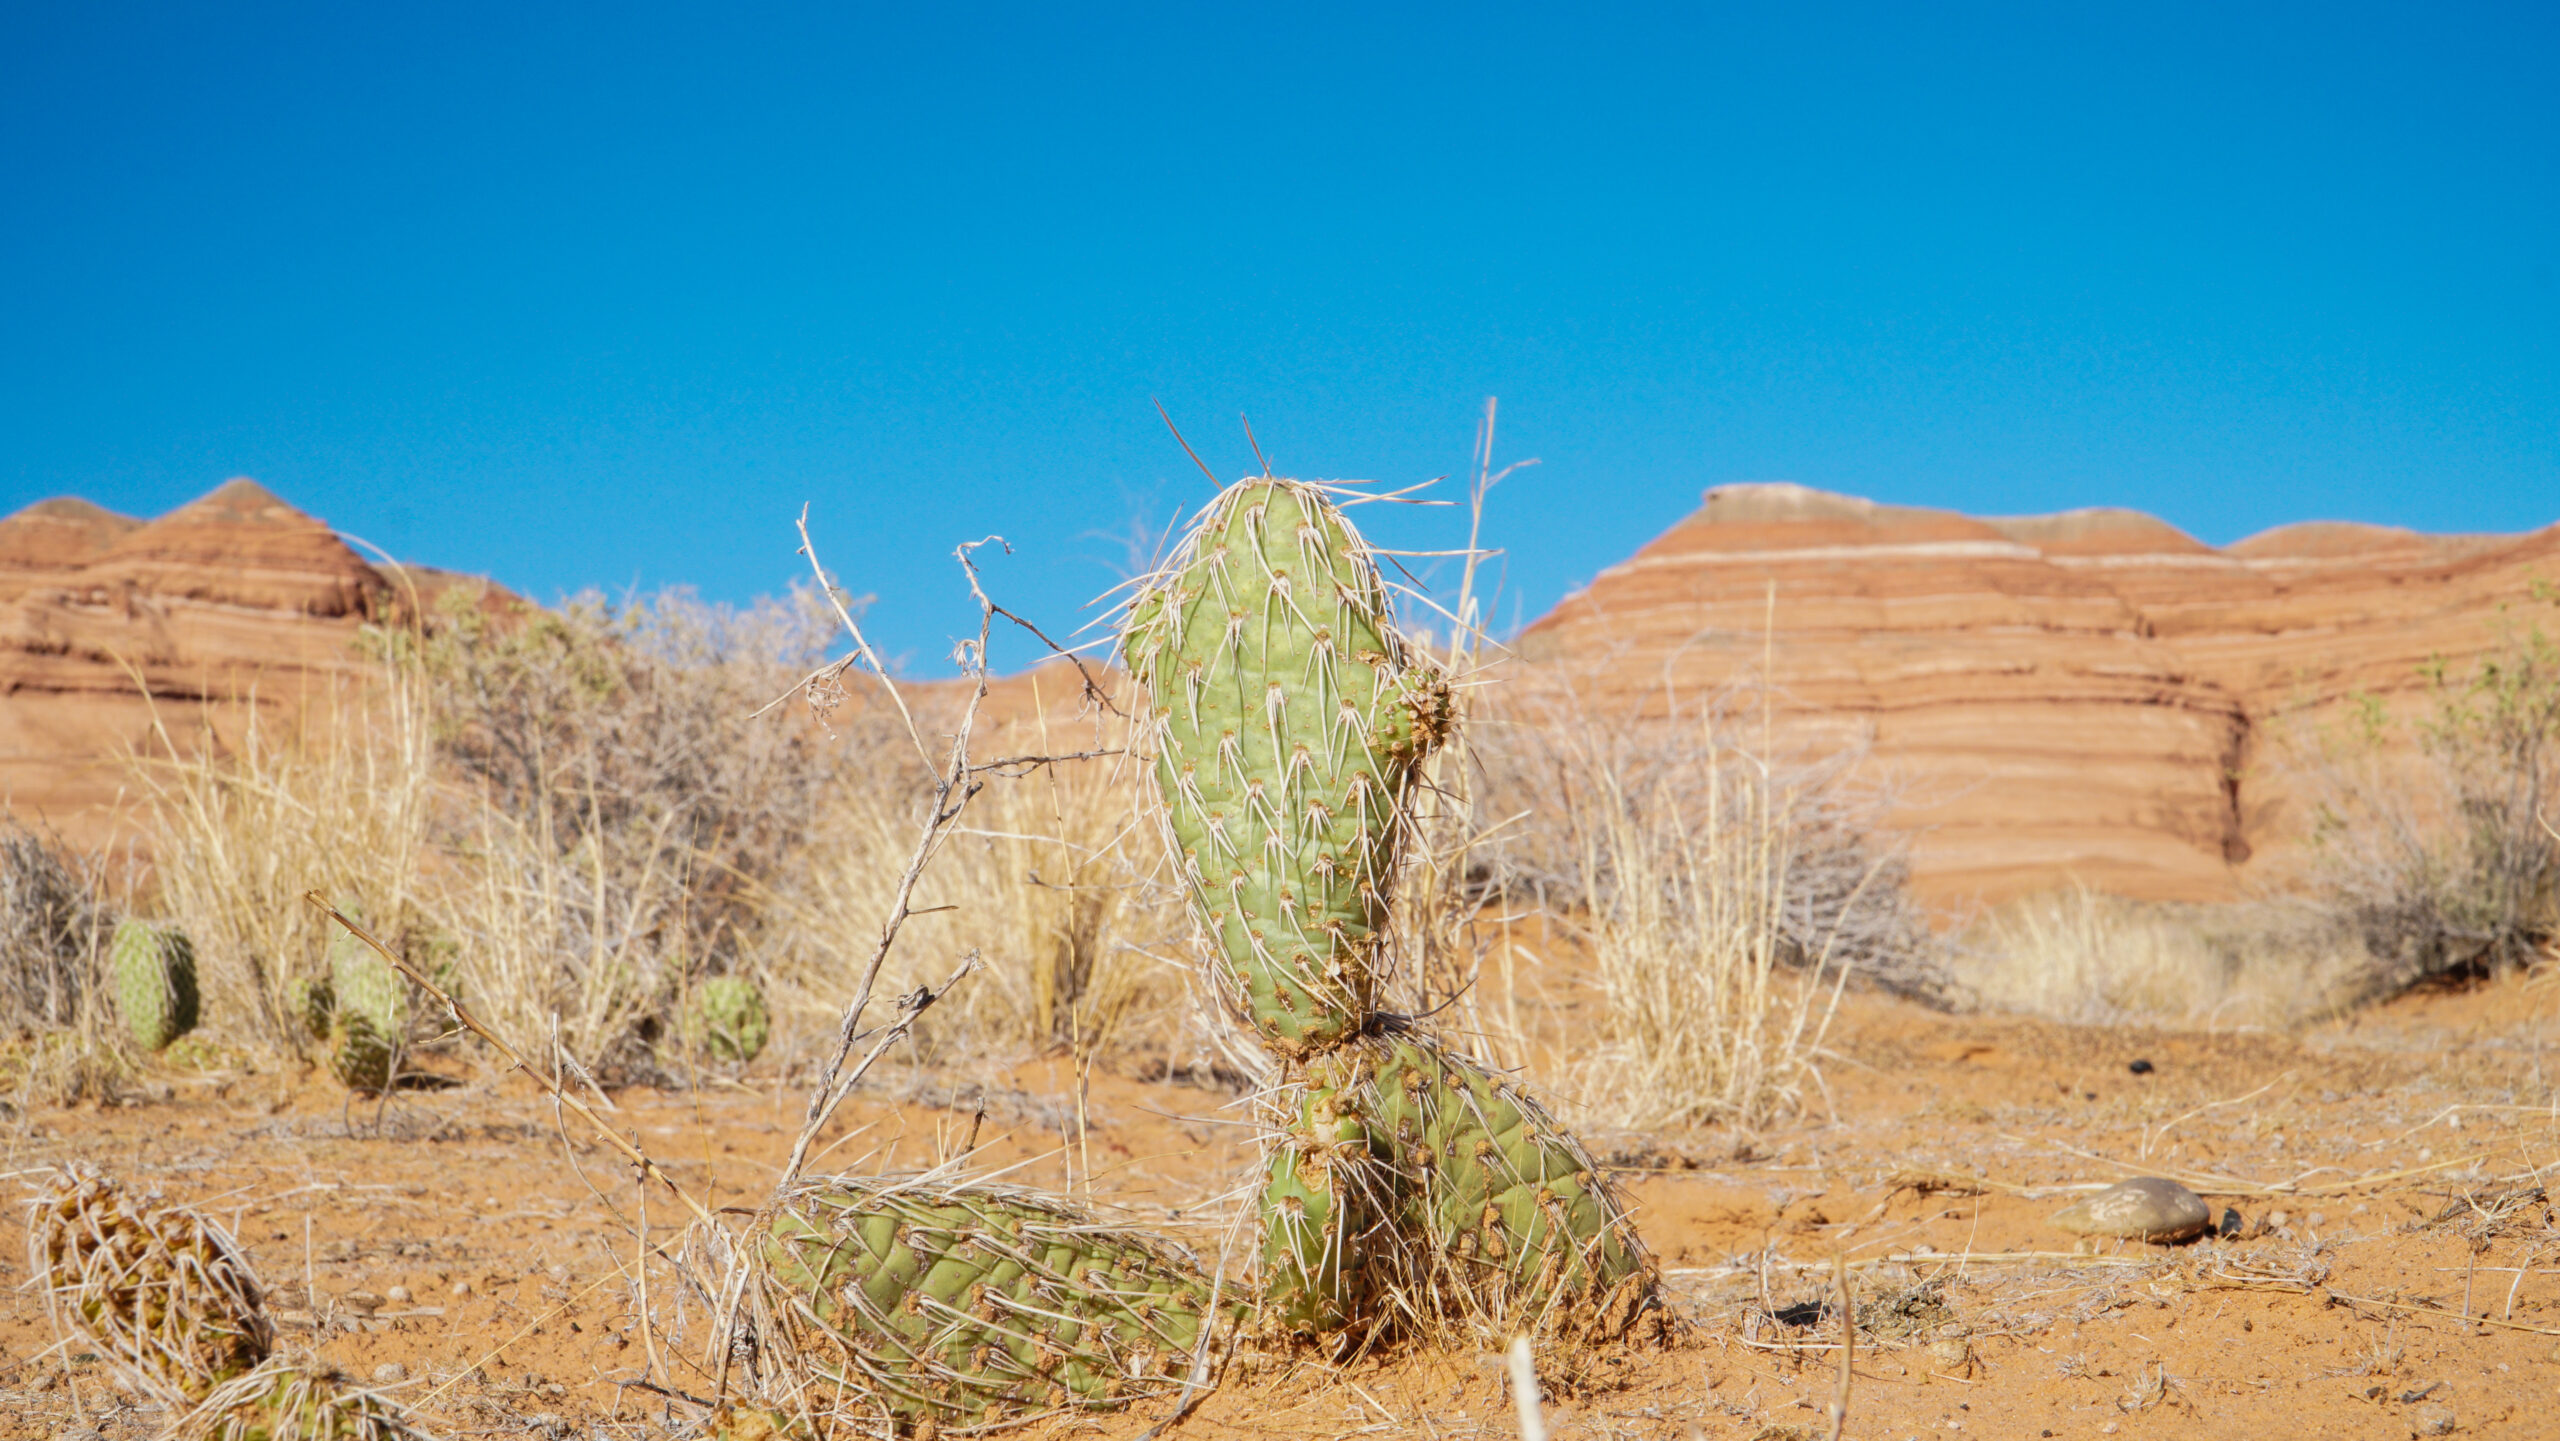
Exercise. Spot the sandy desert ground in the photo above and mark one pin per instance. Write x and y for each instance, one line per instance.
(2395, 1268)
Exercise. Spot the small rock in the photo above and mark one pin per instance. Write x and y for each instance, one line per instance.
(461, 1288)
(2140, 1068)
(397, 1293)
(2146, 1208)
(390, 1373)
(559, 1274)
(2276, 1220)
(362, 1301)
(2232, 1225)
(1951, 1354)
(2431, 1421)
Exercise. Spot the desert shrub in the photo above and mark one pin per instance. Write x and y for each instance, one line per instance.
(53, 921)
(2086, 958)
(612, 800)
(2430, 829)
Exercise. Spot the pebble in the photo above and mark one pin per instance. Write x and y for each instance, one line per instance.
(461, 1288)
(2431, 1421)
(399, 1294)
(390, 1372)
(2146, 1208)
(559, 1274)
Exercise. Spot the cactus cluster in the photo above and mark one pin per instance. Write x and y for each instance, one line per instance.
(726, 1019)
(155, 976)
(1287, 723)
(169, 1300)
(953, 1305)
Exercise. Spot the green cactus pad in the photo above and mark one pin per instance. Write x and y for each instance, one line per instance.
(372, 1016)
(310, 1003)
(1503, 1221)
(155, 973)
(951, 1305)
(1286, 717)
(1323, 1197)
(727, 1019)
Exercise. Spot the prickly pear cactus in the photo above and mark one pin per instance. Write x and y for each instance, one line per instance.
(372, 1015)
(159, 1290)
(289, 1401)
(1286, 718)
(310, 1002)
(1504, 1221)
(155, 971)
(949, 1305)
(1323, 1199)
(727, 1020)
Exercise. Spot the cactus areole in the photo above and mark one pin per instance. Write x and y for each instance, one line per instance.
(1286, 717)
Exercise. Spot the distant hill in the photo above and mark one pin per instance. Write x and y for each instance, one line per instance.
(2086, 695)
(233, 595)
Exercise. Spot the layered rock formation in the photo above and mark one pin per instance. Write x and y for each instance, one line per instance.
(2086, 696)
(108, 624)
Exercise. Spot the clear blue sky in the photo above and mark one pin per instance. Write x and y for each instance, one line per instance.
(595, 297)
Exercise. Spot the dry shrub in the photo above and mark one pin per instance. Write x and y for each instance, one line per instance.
(53, 929)
(1724, 900)
(613, 800)
(2430, 831)
(2086, 958)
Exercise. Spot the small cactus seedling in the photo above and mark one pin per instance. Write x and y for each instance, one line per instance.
(310, 1003)
(298, 1401)
(155, 973)
(957, 1305)
(372, 1015)
(727, 1019)
(1286, 716)
(157, 1289)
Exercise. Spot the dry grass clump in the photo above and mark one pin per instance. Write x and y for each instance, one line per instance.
(2083, 957)
(1049, 880)
(1724, 898)
(335, 799)
(57, 1036)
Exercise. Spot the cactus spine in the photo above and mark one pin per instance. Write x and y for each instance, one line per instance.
(1286, 720)
(952, 1304)
(372, 1015)
(155, 971)
(727, 1018)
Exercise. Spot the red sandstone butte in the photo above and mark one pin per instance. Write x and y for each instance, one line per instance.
(106, 620)
(2089, 696)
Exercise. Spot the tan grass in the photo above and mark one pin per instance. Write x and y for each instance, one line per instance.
(2084, 957)
(334, 798)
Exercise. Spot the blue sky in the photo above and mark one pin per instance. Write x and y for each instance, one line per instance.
(601, 297)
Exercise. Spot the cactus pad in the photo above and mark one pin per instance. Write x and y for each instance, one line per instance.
(372, 1015)
(950, 1305)
(727, 1019)
(1286, 716)
(1504, 1222)
(1323, 1198)
(155, 972)
(159, 1290)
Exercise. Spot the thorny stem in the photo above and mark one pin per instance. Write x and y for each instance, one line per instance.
(954, 786)
(862, 646)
